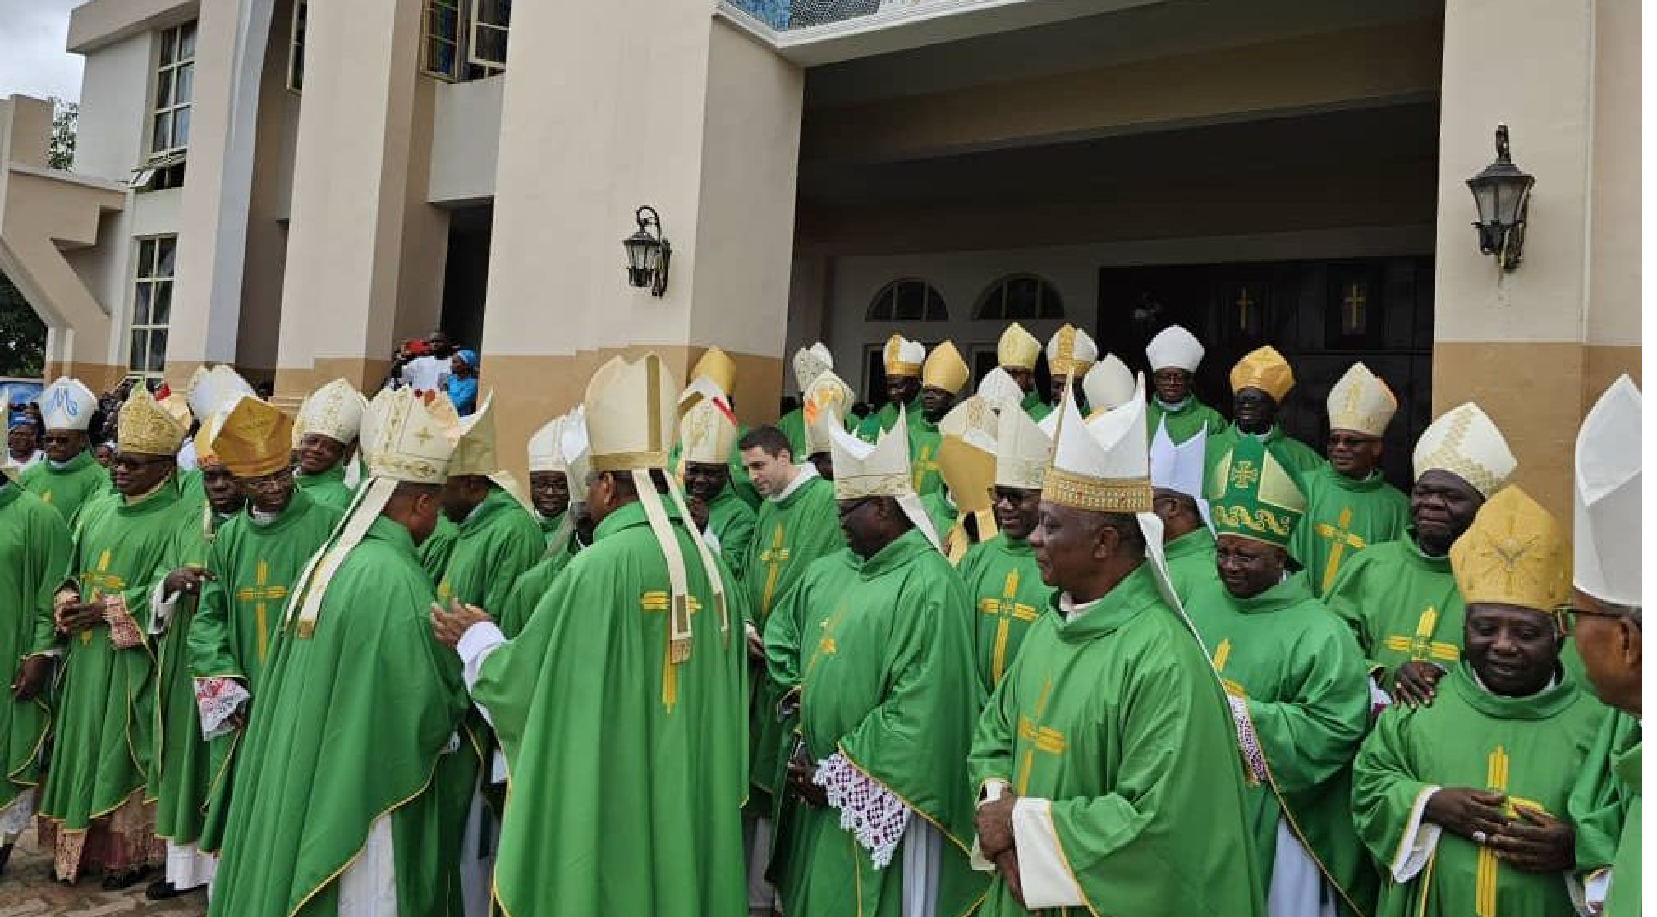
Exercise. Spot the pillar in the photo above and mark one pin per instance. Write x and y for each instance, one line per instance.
(1535, 347)
(610, 104)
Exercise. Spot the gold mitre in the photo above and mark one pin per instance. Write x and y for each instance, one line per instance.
(716, 366)
(966, 460)
(811, 362)
(823, 408)
(1361, 402)
(1071, 350)
(1101, 464)
(1109, 384)
(945, 369)
(408, 437)
(878, 469)
(902, 357)
(707, 432)
(150, 427)
(1465, 442)
(251, 437)
(1022, 452)
(545, 446)
(335, 410)
(630, 411)
(1266, 370)
(1607, 515)
(1017, 349)
(1514, 553)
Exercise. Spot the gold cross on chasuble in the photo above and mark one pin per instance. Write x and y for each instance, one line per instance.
(1487, 874)
(676, 651)
(1006, 609)
(773, 558)
(1044, 739)
(825, 644)
(1222, 655)
(259, 593)
(102, 581)
(1341, 535)
(1422, 645)
(924, 464)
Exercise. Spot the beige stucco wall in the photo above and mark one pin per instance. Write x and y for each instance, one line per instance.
(97, 23)
(110, 138)
(466, 133)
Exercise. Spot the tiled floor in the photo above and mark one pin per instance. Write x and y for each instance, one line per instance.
(27, 890)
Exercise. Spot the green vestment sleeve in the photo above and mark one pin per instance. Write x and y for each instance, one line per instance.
(732, 522)
(1599, 800)
(34, 555)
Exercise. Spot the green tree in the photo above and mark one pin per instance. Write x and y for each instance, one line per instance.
(60, 152)
(22, 334)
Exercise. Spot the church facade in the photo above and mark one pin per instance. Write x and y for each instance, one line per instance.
(294, 186)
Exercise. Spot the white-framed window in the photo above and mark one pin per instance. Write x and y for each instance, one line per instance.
(907, 300)
(491, 23)
(296, 48)
(464, 39)
(174, 89)
(152, 306)
(1019, 296)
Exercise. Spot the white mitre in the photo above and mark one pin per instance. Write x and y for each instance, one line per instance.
(1108, 384)
(1022, 451)
(66, 404)
(811, 362)
(823, 408)
(1361, 402)
(1465, 442)
(1608, 497)
(213, 390)
(707, 432)
(406, 439)
(1179, 466)
(630, 412)
(476, 453)
(1000, 391)
(545, 453)
(879, 469)
(576, 452)
(335, 410)
(1174, 348)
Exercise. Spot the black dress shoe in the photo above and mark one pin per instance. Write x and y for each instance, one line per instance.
(118, 881)
(161, 891)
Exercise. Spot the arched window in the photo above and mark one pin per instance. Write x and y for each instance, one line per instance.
(907, 300)
(1019, 296)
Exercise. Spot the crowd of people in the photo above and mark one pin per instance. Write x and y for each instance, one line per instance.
(986, 649)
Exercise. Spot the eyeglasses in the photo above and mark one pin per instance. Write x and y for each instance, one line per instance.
(1350, 442)
(270, 481)
(1567, 616)
(133, 462)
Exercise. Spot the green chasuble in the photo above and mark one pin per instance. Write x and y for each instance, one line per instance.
(66, 489)
(1527, 748)
(880, 421)
(105, 725)
(732, 522)
(1402, 605)
(627, 767)
(527, 591)
(1302, 678)
(235, 626)
(1624, 900)
(1116, 717)
(1294, 454)
(1344, 517)
(1191, 562)
(792, 426)
(338, 737)
(549, 527)
(789, 534)
(924, 472)
(1600, 800)
(494, 546)
(34, 556)
(1005, 588)
(183, 766)
(326, 487)
(1191, 418)
(940, 511)
(887, 683)
(1038, 409)
(435, 550)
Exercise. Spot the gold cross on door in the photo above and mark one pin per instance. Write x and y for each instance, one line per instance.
(1042, 738)
(259, 593)
(1422, 645)
(672, 654)
(1341, 535)
(1006, 609)
(773, 558)
(1352, 318)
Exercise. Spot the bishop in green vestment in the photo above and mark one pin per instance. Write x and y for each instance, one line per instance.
(325, 438)
(534, 583)
(1297, 686)
(1188, 547)
(1004, 584)
(708, 434)
(105, 730)
(662, 680)
(34, 556)
(496, 541)
(902, 360)
(1185, 418)
(1174, 355)
(1259, 383)
(327, 486)
(69, 476)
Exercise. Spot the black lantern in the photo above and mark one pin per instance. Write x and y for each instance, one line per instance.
(1502, 194)
(648, 252)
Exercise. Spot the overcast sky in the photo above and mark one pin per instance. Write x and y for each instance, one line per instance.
(32, 59)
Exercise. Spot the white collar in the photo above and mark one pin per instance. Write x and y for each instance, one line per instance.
(261, 518)
(1173, 407)
(803, 472)
(1071, 610)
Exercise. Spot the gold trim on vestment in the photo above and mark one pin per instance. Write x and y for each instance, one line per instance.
(1130, 495)
(629, 461)
(857, 487)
